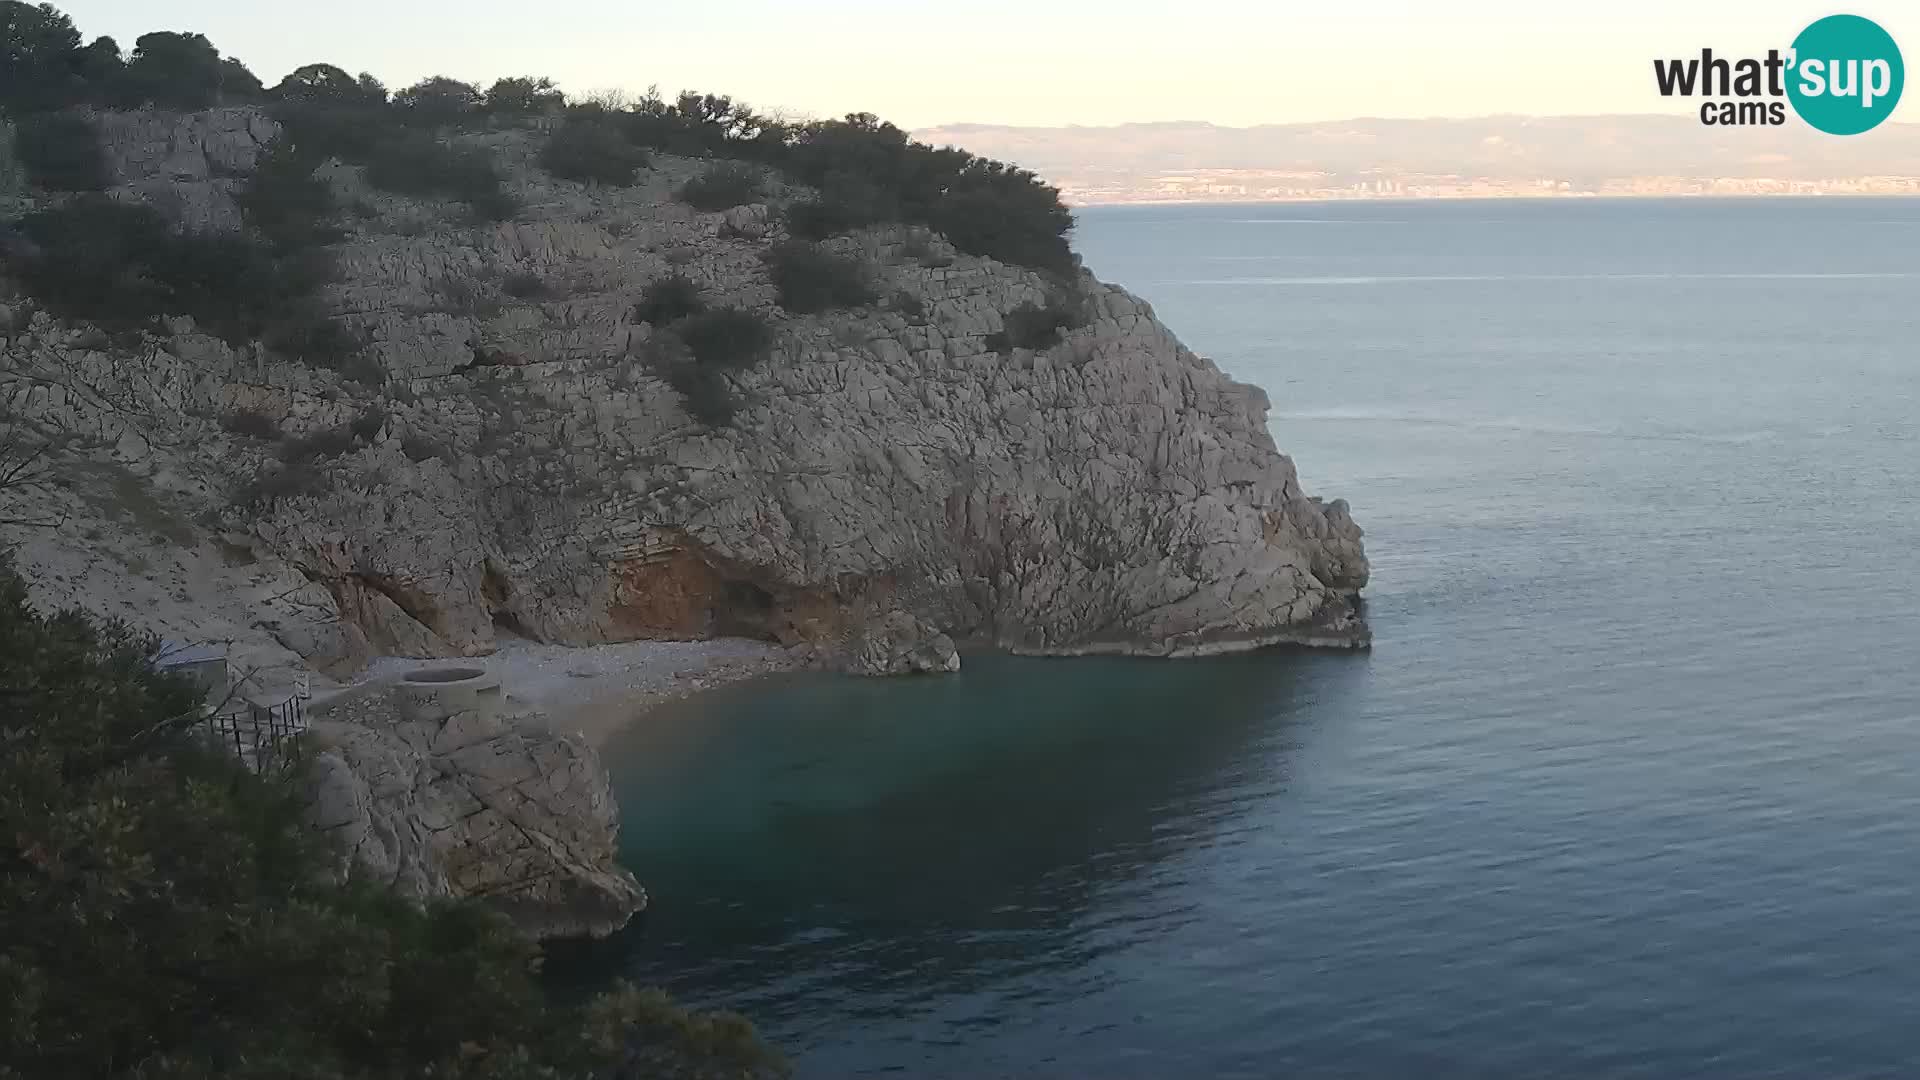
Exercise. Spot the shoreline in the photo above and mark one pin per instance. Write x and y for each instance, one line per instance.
(596, 691)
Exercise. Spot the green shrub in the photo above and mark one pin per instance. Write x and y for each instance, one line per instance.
(705, 392)
(908, 304)
(438, 101)
(283, 199)
(38, 47)
(592, 150)
(316, 340)
(1031, 326)
(368, 424)
(121, 267)
(525, 285)
(846, 202)
(726, 338)
(419, 447)
(697, 125)
(527, 95)
(424, 167)
(324, 127)
(273, 482)
(61, 152)
(311, 84)
(179, 71)
(810, 280)
(818, 219)
(984, 207)
(251, 425)
(722, 186)
(1017, 221)
(668, 299)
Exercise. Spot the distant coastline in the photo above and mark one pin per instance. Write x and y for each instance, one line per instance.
(1540, 196)
(1480, 158)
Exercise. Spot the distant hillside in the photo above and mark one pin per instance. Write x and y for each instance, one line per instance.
(1578, 153)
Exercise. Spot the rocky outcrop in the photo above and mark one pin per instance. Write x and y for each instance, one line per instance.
(459, 802)
(899, 643)
(186, 165)
(527, 467)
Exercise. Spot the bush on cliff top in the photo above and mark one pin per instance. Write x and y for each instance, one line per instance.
(811, 281)
(169, 913)
(870, 171)
(867, 171)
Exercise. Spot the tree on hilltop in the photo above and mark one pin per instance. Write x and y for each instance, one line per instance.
(523, 96)
(439, 100)
(37, 47)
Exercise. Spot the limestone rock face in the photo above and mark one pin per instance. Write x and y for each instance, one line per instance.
(900, 644)
(186, 165)
(526, 466)
(502, 810)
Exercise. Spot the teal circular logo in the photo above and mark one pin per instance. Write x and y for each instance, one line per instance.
(1846, 75)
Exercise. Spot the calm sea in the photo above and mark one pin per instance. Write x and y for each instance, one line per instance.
(1629, 785)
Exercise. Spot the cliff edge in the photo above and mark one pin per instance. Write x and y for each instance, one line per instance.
(521, 461)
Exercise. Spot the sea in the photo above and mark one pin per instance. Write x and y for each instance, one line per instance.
(1629, 785)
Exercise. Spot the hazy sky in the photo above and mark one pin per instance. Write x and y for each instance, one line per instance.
(1023, 61)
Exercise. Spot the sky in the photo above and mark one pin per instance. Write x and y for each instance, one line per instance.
(1030, 62)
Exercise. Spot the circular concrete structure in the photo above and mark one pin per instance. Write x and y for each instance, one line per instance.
(431, 695)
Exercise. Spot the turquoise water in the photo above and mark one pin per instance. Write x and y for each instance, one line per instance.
(1629, 785)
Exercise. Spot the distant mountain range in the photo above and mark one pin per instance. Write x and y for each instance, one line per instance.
(1492, 155)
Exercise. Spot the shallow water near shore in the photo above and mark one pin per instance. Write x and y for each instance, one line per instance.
(1627, 786)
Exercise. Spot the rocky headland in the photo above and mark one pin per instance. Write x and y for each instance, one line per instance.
(508, 456)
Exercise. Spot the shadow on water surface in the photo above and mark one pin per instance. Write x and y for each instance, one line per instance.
(890, 843)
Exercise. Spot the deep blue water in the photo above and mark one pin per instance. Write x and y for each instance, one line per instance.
(1629, 786)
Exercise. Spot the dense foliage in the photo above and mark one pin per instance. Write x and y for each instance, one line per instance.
(810, 280)
(1036, 326)
(292, 208)
(721, 186)
(668, 299)
(424, 166)
(61, 152)
(866, 171)
(168, 914)
(703, 346)
(526, 95)
(586, 148)
(726, 338)
(122, 267)
(44, 66)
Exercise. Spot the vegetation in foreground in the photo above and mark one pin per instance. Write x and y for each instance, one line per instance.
(168, 914)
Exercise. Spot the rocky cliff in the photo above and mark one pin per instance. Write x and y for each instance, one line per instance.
(525, 467)
(433, 800)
